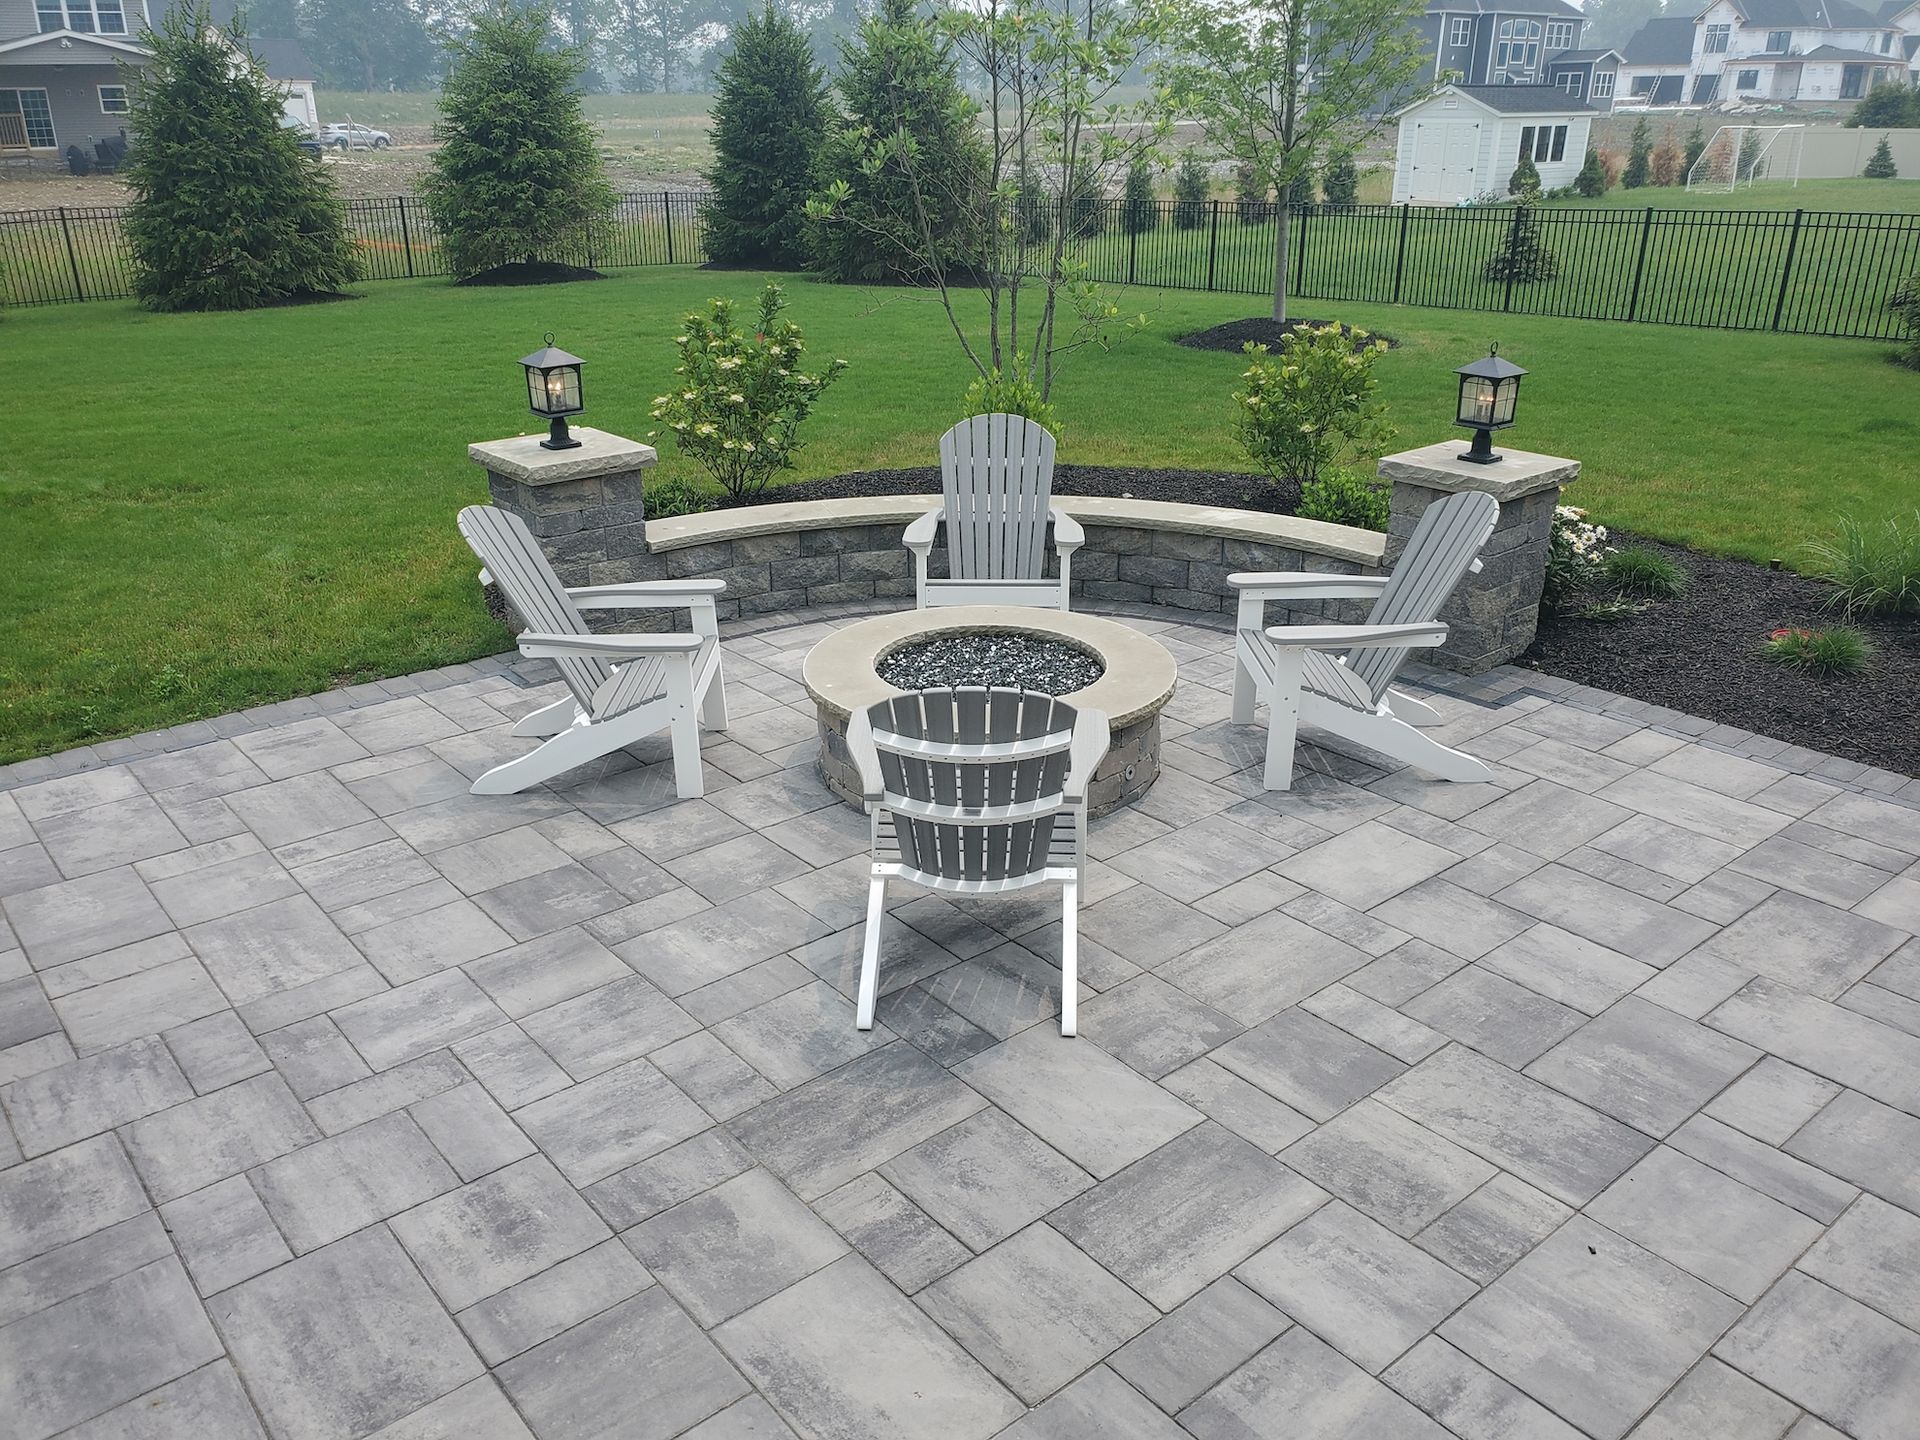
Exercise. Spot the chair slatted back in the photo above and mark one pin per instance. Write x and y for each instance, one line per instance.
(1451, 533)
(514, 559)
(1003, 754)
(996, 472)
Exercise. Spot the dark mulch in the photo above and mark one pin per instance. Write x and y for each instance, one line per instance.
(1190, 487)
(531, 272)
(1263, 330)
(1699, 653)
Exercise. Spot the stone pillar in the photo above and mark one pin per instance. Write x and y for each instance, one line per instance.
(586, 507)
(1494, 613)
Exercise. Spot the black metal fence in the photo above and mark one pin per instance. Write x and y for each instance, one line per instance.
(1797, 271)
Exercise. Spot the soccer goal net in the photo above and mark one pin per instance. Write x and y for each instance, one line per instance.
(1742, 154)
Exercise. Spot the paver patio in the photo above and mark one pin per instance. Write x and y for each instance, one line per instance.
(341, 1103)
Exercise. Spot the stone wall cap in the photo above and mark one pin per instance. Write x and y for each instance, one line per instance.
(1515, 474)
(1339, 542)
(1139, 679)
(521, 458)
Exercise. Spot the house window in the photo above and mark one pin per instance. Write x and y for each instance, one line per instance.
(85, 17)
(52, 17)
(1569, 81)
(1886, 42)
(113, 100)
(1518, 50)
(1779, 41)
(1643, 85)
(1602, 85)
(1559, 35)
(25, 117)
(1747, 80)
(1717, 39)
(1461, 32)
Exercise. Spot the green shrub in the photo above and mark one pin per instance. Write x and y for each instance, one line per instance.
(1190, 192)
(1644, 572)
(1340, 185)
(1875, 569)
(1696, 147)
(1523, 256)
(1033, 207)
(1340, 497)
(1905, 304)
(1250, 202)
(1591, 182)
(1012, 391)
(227, 213)
(676, 495)
(1887, 107)
(1315, 403)
(1639, 156)
(1086, 206)
(769, 122)
(1880, 165)
(1840, 650)
(1576, 551)
(1139, 211)
(741, 395)
(517, 176)
(1524, 183)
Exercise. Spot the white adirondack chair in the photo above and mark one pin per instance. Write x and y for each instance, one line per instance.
(996, 472)
(1294, 671)
(625, 687)
(976, 792)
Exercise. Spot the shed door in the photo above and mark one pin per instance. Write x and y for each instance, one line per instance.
(1444, 153)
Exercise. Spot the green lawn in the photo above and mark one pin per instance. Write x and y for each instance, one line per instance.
(260, 505)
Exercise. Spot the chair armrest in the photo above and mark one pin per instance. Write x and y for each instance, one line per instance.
(919, 535)
(1357, 637)
(866, 759)
(647, 594)
(1301, 585)
(1067, 534)
(1091, 738)
(612, 647)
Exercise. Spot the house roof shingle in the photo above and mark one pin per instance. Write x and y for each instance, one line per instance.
(1555, 8)
(1525, 99)
(1667, 40)
(283, 59)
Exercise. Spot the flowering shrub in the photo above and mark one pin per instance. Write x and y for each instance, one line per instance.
(1576, 553)
(1315, 403)
(740, 396)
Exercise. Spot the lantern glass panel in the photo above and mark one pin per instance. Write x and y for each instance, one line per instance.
(536, 392)
(1509, 392)
(563, 390)
(1477, 401)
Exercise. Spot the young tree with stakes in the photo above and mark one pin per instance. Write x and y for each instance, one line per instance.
(227, 213)
(769, 121)
(1190, 185)
(517, 176)
(1050, 77)
(1282, 85)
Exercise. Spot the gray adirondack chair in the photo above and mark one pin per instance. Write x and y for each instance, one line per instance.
(1339, 677)
(996, 478)
(624, 687)
(976, 792)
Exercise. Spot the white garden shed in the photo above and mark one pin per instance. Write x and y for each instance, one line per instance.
(1465, 140)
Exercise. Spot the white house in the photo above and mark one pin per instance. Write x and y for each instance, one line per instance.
(1769, 52)
(1466, 140)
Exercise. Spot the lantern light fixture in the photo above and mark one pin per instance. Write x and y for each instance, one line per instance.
(1489, 390)
(553, 392)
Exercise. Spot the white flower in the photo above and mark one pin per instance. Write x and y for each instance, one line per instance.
(661, 399)
(736, 398)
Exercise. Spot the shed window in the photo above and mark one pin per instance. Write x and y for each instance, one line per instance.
(1559, 143)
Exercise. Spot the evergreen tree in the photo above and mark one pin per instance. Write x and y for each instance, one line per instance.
(1341, 183)
(1639, 156)
(1591, 182)
(227, 213)
(1695, 148)
(1881, 166)
(1523, 256)
(517, 176)
(1034, 206)
(1086, 206)
(1190, 192)
(1250, 202)
(769, 121)
(1524, 183)
(898, 80)
(1139, 211)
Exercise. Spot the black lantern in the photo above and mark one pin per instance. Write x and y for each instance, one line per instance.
(1488, 391)
(553, 390)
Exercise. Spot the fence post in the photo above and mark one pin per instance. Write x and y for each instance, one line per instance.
(406, 236)
(1513, 250)
(1640, 265)
(1213, 242)
(1297, 281)
(1400, 256)
(1133, 241)
(73, 262)
(1786, 268)
(666, 213)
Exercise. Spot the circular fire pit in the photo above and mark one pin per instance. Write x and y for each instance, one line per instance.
(972, 644)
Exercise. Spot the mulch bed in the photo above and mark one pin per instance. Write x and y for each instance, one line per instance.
(1699, 652)
(531, 272)
(1696, 653)
(1235, 335)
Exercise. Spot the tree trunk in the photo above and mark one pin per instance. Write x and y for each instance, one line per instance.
(1282, 223)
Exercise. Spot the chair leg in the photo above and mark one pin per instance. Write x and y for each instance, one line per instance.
(870, 953)
(1393, 737)
(1070, 958)
(1245, 695)
(571, 747)
(713, 704)
(1414, 712)
(548, 719)
(689, 783)
(1283, 718)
